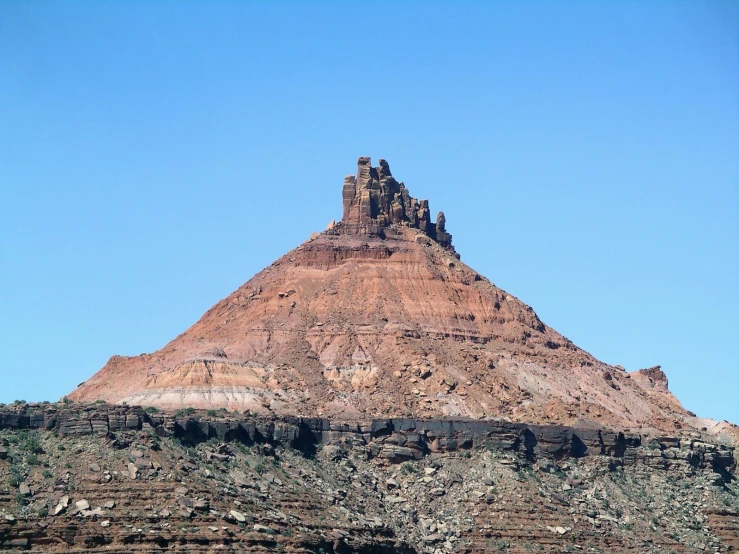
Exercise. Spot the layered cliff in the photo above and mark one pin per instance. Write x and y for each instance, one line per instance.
(377, 316)
(102, 478)
(374, 203)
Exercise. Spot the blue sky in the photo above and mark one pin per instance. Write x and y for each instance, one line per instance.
(155, 155)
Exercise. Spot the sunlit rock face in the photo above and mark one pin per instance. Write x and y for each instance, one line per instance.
(377, 316)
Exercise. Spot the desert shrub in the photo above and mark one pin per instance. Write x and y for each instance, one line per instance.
(15, 478)
(408, 468)
(33, 445)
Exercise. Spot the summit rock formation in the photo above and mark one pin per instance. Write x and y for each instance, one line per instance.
(375, 203)
(378, 317)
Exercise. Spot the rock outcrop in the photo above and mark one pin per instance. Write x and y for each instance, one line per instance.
(374, 202)
(651, 378)
(392, 439)
(103, 478)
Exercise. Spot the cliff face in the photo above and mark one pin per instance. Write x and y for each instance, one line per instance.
(102, 478)
(377, 316)
(374, 202)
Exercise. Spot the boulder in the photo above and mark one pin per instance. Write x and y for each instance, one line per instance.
(142, 463)
(263, 529)
(61, 505)
(238, 516)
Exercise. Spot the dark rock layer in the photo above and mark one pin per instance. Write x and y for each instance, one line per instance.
(392, 439)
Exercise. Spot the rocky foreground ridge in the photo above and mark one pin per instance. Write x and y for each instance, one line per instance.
(108, 478)
(377, 317)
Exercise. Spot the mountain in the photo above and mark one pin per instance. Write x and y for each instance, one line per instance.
(368, 392)
(378, 316)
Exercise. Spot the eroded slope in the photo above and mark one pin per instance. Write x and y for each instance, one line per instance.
(378, 316)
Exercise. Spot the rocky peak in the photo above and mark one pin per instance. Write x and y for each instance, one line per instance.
(651, 378)
(375, 203)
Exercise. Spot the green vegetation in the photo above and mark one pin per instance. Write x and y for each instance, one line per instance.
(151, 410)
(16, 477)
(19, 438)
(33, 445)
(408, 468)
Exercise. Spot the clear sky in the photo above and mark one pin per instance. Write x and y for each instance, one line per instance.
(155, 155)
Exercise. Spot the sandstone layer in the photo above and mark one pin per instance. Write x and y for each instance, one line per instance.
(377, 316)
(105, 478)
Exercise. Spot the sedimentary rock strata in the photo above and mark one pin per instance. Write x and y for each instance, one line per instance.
(377, 317)
(102, 478)
(394, 438)
(375, 202)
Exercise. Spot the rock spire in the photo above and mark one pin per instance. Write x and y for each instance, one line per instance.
(374, 202)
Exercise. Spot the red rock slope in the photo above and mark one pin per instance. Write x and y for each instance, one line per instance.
(378, 316)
